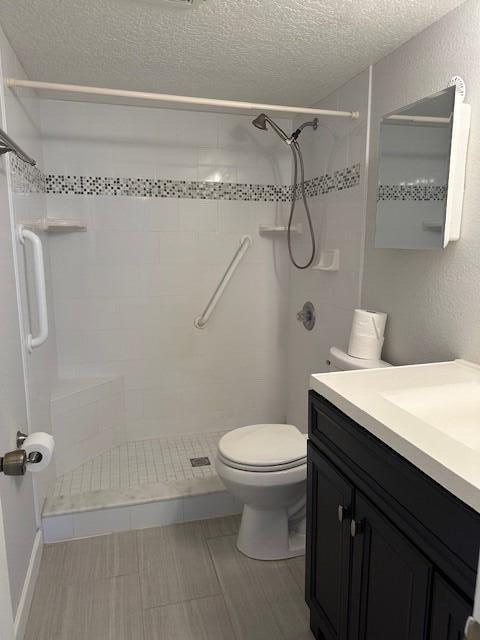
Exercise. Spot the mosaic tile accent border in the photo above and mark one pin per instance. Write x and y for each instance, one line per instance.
(160, 188)
(340, 180)
(27, 179)
(416, 193)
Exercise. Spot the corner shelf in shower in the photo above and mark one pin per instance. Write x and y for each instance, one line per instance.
(329, 261)
(57, 224)
(274, 230)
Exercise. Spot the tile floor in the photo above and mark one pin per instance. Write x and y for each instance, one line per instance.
(181, 582)
(133, 464)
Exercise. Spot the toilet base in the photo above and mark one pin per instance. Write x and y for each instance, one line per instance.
(270, 535)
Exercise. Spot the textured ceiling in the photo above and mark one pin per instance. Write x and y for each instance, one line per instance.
(280, 51)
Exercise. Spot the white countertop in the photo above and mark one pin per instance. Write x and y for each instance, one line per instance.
(429, 414)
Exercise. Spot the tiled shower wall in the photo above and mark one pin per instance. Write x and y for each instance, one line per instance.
(339, 219)
(128, 290)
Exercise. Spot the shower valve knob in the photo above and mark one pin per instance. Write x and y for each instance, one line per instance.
(307, 316)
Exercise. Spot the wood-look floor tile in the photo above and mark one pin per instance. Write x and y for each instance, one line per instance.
(45, 620)
(175, 565)
(203, 619)
(116, 610)
(297, 569)
(263, 599)
(225, 526)
(90, 559)
(108, 609)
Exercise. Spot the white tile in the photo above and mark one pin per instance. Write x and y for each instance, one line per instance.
(156, 514)
(57, 528)
(198, 215)
(237, 217)
(176, 246)
(216, 173)
(124, 247)
(103, 521)
(115, 213)
(158, 214)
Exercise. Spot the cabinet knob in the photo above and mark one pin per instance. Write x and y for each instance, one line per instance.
(356, 527)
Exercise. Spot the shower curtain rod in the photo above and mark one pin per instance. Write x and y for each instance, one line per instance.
(162, 97)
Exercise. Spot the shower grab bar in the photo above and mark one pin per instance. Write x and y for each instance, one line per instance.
(40, 287)
(245, 244)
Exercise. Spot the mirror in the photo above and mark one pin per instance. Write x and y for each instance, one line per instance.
(421, 173)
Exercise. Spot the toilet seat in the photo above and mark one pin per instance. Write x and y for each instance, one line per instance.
(263, 448)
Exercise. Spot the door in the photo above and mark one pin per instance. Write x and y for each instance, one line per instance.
(450, 611)
(390, 579)
(330, 500)
(17, 518)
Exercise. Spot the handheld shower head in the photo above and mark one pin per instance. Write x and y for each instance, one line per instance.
(261, 123)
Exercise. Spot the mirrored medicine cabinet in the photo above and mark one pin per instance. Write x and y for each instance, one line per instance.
(422, 157)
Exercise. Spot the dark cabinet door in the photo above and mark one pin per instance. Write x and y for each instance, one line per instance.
(450, 611)
(390, 580)
(330, 502)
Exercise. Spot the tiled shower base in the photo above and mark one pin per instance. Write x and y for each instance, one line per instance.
(136, 485)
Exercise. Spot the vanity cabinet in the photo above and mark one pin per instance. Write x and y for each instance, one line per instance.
(449, 612)
(390, 553)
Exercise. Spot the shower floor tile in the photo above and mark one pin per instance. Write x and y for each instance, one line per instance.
(137, 472)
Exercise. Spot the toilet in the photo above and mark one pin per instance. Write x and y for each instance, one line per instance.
(341, 361)
(265, 467)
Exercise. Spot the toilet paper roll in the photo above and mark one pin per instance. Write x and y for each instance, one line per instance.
(365, 347)
(369, 323)
(42, 443)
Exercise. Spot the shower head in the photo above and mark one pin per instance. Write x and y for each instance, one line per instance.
(261, 123)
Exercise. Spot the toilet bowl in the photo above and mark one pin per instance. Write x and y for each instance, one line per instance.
(265, 467)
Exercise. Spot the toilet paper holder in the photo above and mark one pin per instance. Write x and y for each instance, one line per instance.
(14, 463)
(35, 456)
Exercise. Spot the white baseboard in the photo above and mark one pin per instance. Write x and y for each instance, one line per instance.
(23, 609)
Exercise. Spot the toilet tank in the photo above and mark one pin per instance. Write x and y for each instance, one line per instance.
(341, 361)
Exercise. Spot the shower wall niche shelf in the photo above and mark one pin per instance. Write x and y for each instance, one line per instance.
(329, 261)
(266, 229)
(57, 224)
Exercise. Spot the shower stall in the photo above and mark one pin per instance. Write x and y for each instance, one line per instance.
(171, 297)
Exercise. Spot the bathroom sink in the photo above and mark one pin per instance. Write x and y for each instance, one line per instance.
(429, 414)
(454, 409)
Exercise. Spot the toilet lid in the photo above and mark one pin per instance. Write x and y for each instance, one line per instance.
(264, 445)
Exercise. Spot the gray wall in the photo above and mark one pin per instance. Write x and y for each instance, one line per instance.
(432, 297)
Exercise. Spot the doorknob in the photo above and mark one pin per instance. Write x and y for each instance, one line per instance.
(14, 463)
